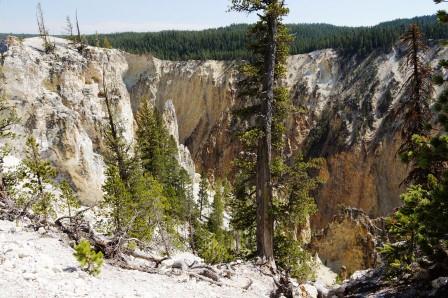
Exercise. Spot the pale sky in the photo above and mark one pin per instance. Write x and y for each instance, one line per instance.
(19, 16)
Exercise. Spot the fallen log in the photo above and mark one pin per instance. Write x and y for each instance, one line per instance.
(204, 278)
(207, 273)
(155, 260)
(125, 265)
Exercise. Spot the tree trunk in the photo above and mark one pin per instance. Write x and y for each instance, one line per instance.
(265, 221)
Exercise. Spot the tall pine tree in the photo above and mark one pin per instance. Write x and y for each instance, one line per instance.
(269, 183)
(419, 226)
(134, 199)
(203, 194)
(419, 87)
(158, 152)
(216, 219)
(263, 94)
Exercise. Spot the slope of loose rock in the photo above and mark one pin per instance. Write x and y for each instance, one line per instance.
(36, 264)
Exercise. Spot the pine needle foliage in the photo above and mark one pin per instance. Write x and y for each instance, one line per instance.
(419, 226)
(203, 194)
(228, 43)
(294, 179)
(8, 117)
(419, 84)
(133, 200)
(106, 43)
(69, 197)
(216, 219)
(262, 111)
(157, 150)
(90, 261)
(36, 175)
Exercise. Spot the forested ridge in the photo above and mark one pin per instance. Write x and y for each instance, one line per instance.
(229, 43)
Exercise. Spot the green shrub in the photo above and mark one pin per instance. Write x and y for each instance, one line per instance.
(214, 252)
(89, 260)
(397, 258)
(211, 247)
(290, 256)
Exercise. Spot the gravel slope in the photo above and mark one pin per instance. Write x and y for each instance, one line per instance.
(34, 264)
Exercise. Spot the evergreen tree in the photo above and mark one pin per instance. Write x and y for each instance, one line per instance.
(89, 260)
(228, 43)
(149, 139)
(97, 40)
(158, 152)
(419, 226)
(203, 194)
(133, 198)
(70, 199)
(419, 83)
(106, 43)
(265, 103)
(212, 242)
(36, 173)
(297, 204)
(216, 220)
(8, 118)
(290, 181)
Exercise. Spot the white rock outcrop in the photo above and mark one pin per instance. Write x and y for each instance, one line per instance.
(58, 99)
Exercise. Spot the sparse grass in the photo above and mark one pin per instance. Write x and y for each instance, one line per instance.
(52, 85)
(92, 75)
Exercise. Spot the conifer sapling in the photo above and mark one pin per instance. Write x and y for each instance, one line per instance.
(90, 261)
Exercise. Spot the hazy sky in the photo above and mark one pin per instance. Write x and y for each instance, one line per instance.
(18, 16)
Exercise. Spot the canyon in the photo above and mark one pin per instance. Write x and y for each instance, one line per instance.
(346, 110)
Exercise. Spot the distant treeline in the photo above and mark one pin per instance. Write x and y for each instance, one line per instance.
(229, 43)
(4, 35)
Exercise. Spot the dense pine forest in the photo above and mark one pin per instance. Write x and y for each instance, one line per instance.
(229, 43)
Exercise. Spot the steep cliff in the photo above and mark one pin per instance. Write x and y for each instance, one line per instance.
(59, 100)
(347, 110)
(56, 98)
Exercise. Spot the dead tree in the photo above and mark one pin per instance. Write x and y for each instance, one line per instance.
(80, 42)
(43, 32)
(69, 28)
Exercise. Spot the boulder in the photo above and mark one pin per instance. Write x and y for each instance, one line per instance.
(439, 282)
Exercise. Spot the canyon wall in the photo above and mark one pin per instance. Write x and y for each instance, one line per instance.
(347, 110)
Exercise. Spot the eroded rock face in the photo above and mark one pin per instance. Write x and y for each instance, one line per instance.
(347, 111)
(201, 91)
(349, 243)
(184, 157)
(57, 99)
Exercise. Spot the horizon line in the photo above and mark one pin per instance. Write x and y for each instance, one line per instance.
(225, 26)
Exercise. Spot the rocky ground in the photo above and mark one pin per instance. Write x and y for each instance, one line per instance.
(372, 283)
(41, 264)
